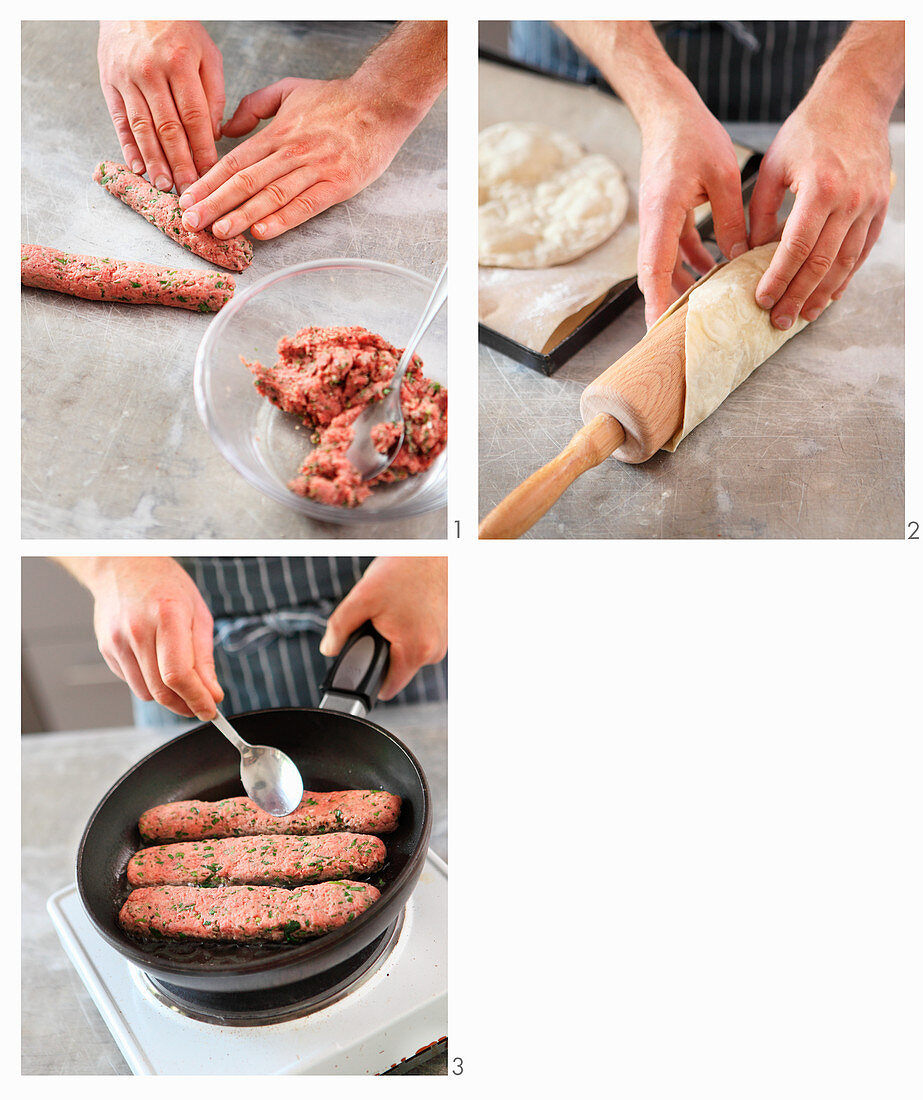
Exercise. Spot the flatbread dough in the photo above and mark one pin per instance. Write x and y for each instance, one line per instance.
(542, 200)
(727, 335)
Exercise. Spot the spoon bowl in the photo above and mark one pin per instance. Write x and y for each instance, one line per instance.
(270, 778)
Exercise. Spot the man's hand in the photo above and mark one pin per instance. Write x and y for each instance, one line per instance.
(687, 158)
(154, 630)
(164, 86)
(833, 153)
(406, 601)
(328, 139)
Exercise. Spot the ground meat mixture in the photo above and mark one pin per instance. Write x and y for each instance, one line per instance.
(244, 913)
(99, 278)
(257, 860)
(318, 812)
(161, 208)
(327, 376)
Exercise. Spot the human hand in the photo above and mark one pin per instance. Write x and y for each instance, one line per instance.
(837, 162)
(328, 139)
(406, 601)
(163, 83)
(687, 159)
(154, 631)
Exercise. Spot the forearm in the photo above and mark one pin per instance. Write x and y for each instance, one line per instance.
(406, 72)
(630, 56)
(866, 67)
(87, 570)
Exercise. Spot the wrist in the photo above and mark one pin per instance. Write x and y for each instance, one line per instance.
(89, 571)
(865, 73)
(402, 77)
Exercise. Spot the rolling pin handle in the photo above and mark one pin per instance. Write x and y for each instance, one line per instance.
(528, 502)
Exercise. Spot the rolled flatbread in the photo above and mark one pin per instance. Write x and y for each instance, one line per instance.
(727, 335)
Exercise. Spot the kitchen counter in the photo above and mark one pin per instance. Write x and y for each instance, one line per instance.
(112, 445)
(810, 446)
(64, 776)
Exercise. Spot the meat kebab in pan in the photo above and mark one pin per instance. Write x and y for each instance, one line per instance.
(199, 888)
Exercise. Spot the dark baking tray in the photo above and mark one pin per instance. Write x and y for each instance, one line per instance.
(620, 297)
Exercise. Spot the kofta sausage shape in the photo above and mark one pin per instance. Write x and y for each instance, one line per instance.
(257, 860)
(318, 812)
(161, 208)
(99, 278)
(244, 913)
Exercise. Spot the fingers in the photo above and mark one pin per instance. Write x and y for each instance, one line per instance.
(727, 210)
(203, 647)
(237, 176)
(170, 127)
(810, 243)
(661, 225)
(402, 667)
(211, 73)
(840, 271)
(125, 666)
(144, 131)
(119, 114)
(174, 671)
(694, 253)
(263, 103)
(304, 206)
(874, 232)
(768, 195)
(349, 614)
(196, 134)
(263, 197)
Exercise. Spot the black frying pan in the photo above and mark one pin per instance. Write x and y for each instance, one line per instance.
(334, 751)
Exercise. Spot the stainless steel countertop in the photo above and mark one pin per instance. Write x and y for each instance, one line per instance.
(112, 445)
(64, 775)
(810, 446)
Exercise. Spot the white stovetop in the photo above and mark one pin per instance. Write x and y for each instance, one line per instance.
(398, 1010)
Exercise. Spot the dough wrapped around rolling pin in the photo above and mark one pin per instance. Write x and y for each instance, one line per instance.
(727, 337)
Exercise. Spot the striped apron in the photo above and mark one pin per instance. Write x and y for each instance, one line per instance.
(270, 615)
(753, 71)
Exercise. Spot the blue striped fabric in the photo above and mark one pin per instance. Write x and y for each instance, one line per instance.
(745, 71)
(270, 615)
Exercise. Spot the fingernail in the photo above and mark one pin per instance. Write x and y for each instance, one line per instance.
(186, 201)
(811, 314)
(738, 250)
(764, 301)
(259, 229)
(782, 322)
(137, 166)
(221, 228)
(325, 646)
(191, 219)
(163, 183)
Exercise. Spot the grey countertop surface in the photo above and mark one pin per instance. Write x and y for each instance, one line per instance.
(112, 446)
(810, 446)
(64, 775)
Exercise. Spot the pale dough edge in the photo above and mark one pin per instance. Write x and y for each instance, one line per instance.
(727, 336)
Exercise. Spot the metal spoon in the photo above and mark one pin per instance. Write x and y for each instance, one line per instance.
(361, 452)
(269, 777)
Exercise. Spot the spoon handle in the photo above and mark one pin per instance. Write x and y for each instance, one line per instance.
(229, 732)
(433, 306)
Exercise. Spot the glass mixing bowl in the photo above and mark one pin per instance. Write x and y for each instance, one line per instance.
(267, 445)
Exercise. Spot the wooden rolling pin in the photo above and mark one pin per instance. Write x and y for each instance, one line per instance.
(647, 387)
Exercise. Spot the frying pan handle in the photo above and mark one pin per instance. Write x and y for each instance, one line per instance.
(352, 684)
